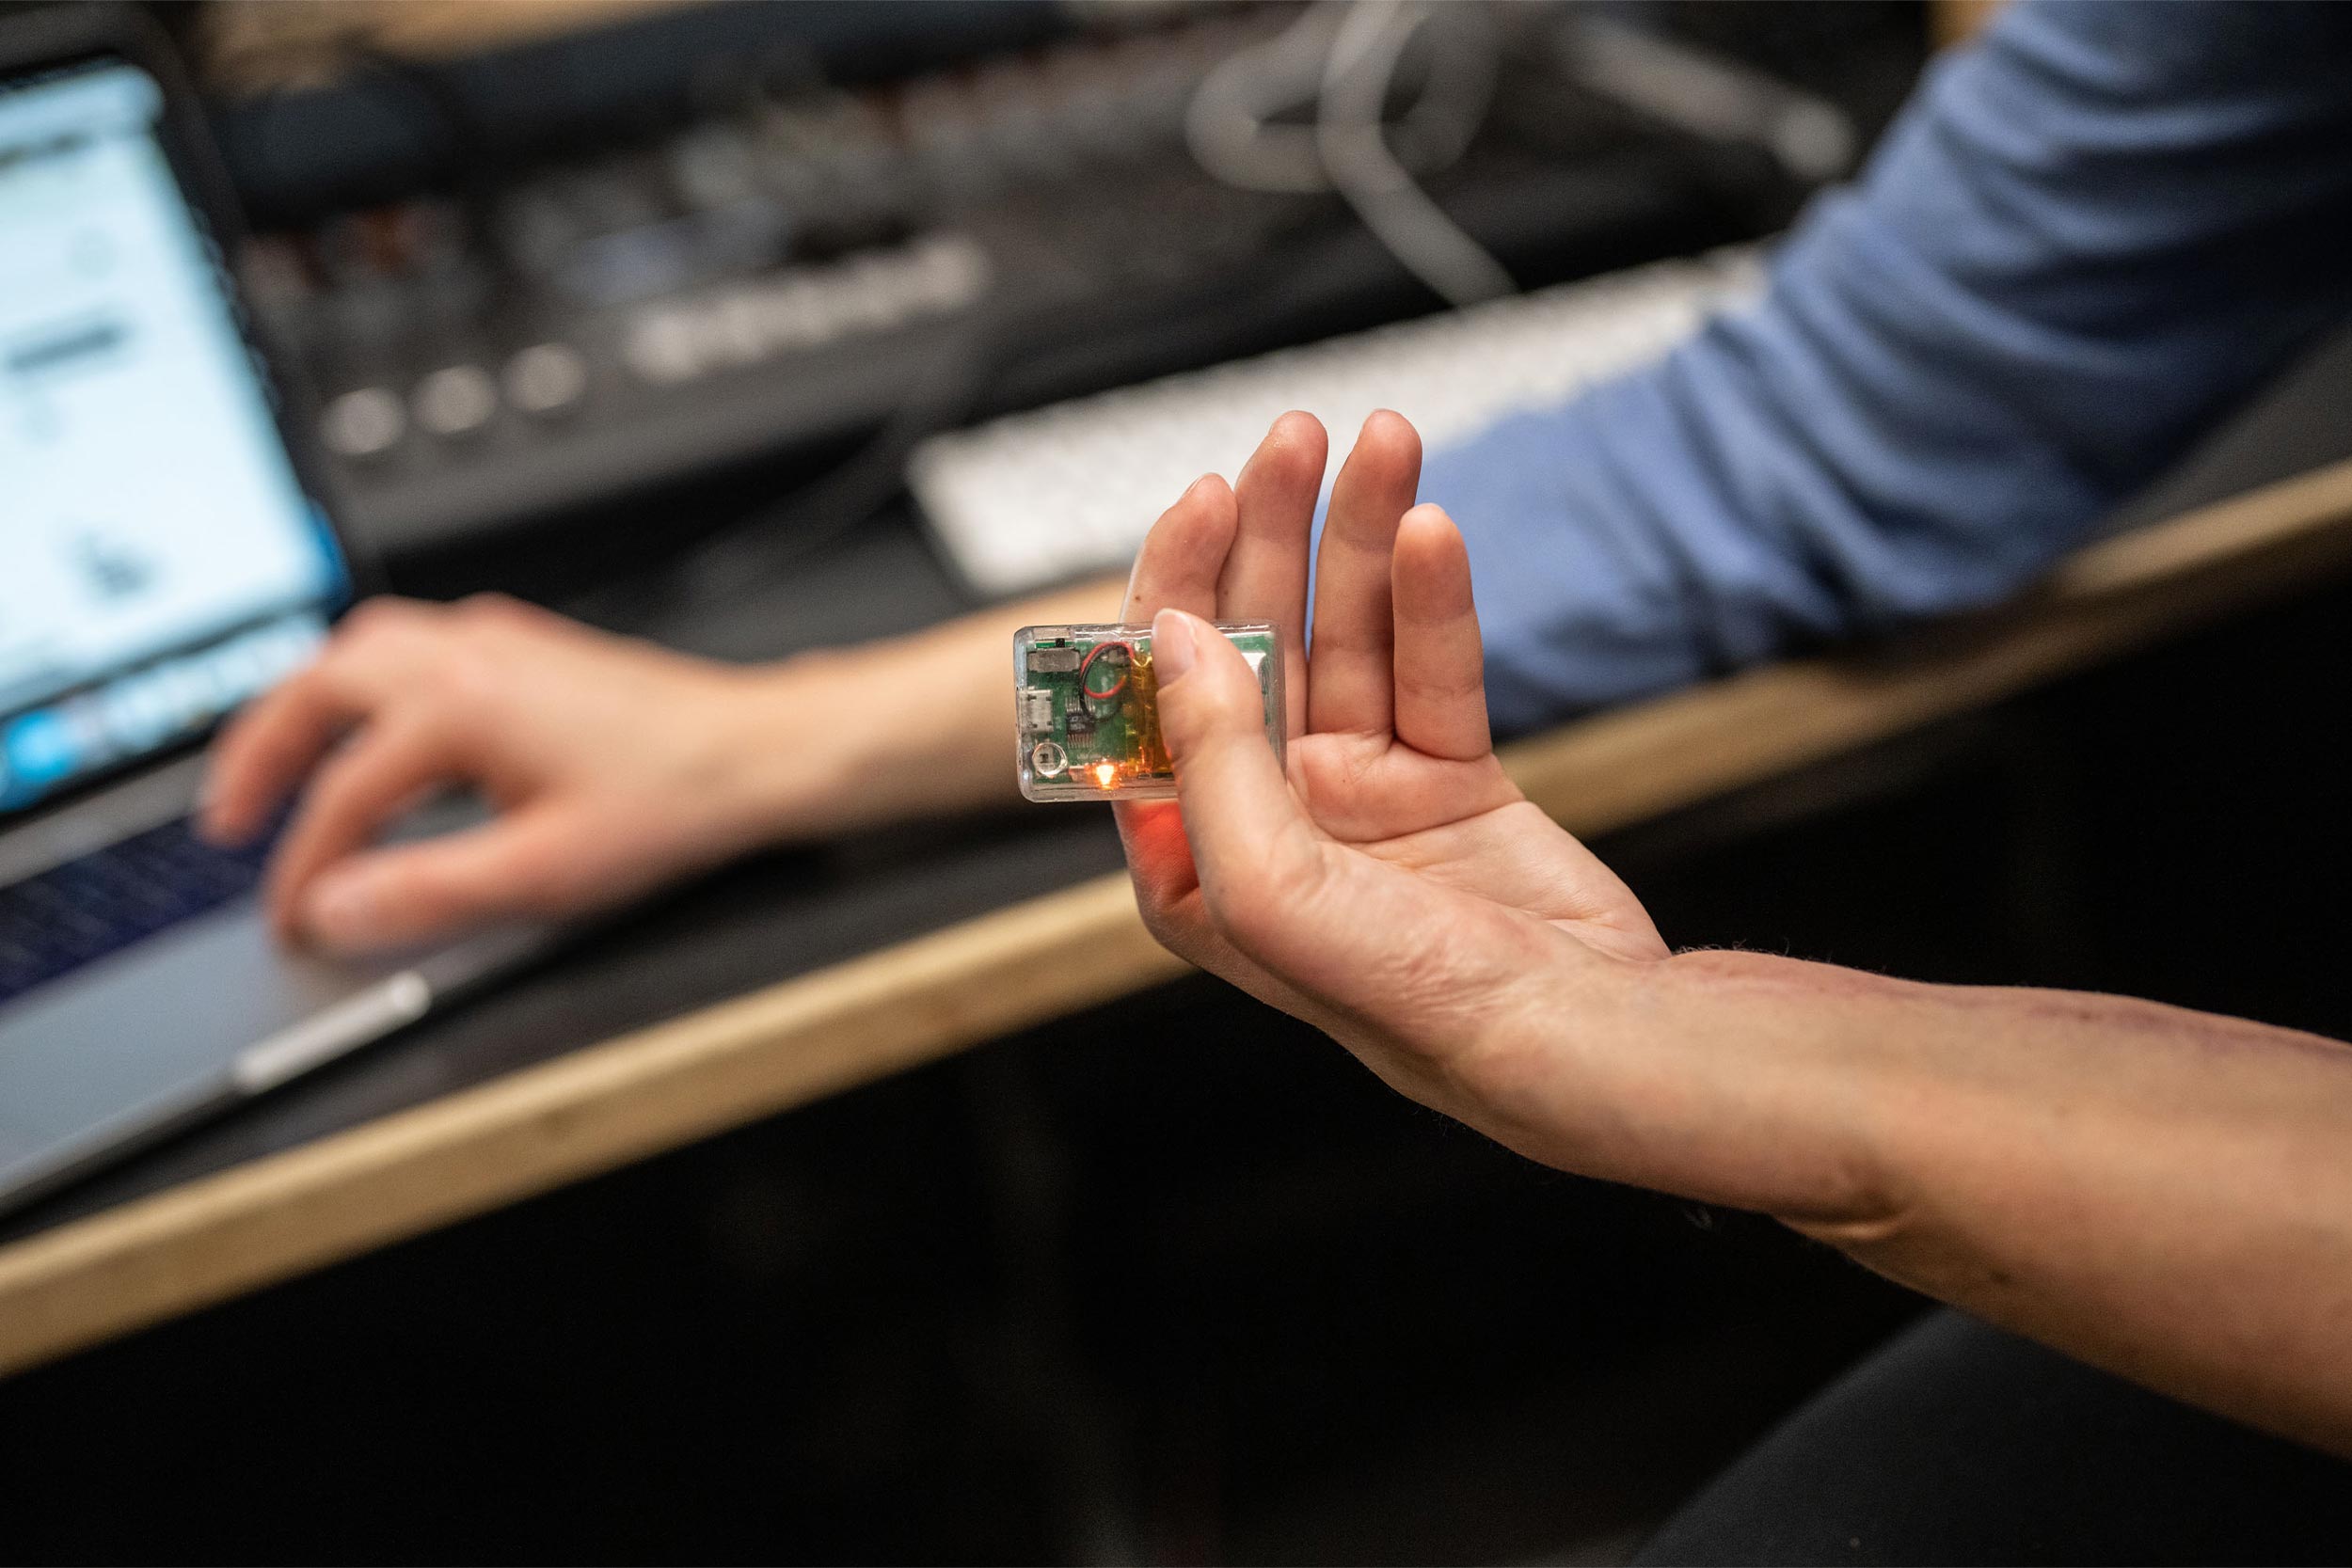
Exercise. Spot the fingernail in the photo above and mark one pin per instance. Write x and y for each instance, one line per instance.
(1173, 648)
(341, 911)
(1196, 484)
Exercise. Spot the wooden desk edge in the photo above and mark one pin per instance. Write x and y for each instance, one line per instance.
(820, 1033)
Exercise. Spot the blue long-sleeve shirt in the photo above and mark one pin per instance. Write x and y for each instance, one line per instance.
(2092, 233)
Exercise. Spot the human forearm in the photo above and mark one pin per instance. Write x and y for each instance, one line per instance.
(848, 737)
(2163, 1192)
(1962, 363)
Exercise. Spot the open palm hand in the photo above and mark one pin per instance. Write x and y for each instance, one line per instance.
(1390, 874)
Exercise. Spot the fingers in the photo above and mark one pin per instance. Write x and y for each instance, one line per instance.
(1257, 859)
(1349, 684)
(529, 862)
(270, 748)
(1227, 555)
(1265, 576)
(274, 744)
(1441, 669)
(381, 773)
(1184, 554)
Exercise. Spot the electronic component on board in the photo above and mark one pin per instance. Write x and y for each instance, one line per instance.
(1086, 710)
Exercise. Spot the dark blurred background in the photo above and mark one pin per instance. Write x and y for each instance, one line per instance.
(1173, 1280)
(621, 275)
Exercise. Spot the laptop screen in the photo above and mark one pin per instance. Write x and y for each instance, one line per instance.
(160, 560)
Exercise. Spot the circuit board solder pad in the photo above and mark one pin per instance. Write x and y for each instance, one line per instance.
(1086, 712)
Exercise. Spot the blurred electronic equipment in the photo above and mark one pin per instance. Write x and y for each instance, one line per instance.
(1039, 497)
(991, 208)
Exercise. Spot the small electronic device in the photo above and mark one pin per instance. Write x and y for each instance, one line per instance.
(1086, 708)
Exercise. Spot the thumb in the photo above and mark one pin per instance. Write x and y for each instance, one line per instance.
(1357, 937)
(1258, 858)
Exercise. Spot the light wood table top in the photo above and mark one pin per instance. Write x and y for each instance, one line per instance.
(152, 1259)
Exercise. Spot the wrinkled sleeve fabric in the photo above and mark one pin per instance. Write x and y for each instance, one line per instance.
(2092, 232)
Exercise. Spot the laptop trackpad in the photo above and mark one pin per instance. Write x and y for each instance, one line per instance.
(160, 1029)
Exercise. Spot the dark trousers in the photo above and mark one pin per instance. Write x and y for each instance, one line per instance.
(1956, 1443)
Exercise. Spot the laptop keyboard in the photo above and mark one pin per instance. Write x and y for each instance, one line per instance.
(56, 922)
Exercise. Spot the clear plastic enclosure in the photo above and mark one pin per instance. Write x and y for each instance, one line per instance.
(1086, 715)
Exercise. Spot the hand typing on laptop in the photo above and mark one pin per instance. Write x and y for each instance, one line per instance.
(612, 765)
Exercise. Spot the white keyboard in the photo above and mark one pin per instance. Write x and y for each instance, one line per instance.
(1039, 497)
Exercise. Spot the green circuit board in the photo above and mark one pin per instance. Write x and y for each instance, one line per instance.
(1087, 714)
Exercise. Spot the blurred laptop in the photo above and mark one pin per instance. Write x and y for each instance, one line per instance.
(163, 556)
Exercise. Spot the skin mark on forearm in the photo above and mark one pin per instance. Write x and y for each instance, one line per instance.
(2019, 1008)
(2092, 1011)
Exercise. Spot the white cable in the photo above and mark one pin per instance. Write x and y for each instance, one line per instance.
(1712, 97)
(1353, 139)
(1342, 58)
(1228, 123)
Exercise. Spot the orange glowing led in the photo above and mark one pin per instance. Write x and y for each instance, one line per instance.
(1105, 772)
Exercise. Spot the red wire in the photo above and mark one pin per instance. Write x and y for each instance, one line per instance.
(1087, 663)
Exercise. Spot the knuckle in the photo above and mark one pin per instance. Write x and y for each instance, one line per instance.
(467, 672)
(1181, 928)
(493, 610)
(332, 669)
(1448, 685)
(367, 616)
(1157, 907)
(1155, 922)
(373, 618)
(443, 673)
